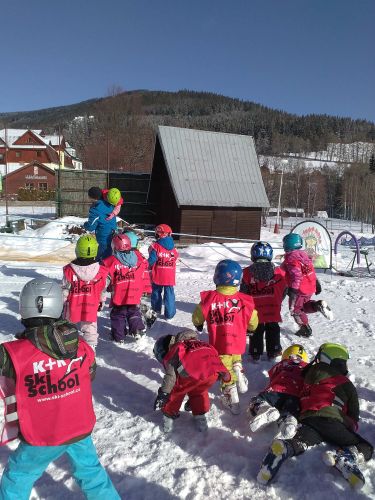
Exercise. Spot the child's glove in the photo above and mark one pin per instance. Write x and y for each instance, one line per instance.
(161, 399)
(226, 377)
(318, 287)
(100, 306)
(293, 294)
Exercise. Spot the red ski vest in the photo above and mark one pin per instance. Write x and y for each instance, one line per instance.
(126, 282)
(164, 270)
(227, 317)
(195, 359)
(84, 296)
(268, 296)
(54, 400)
(147, 288)
(320, 395)
(286, 377)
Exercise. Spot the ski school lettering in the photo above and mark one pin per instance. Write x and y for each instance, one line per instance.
(58, 396)
(119, 275)
(42, 384)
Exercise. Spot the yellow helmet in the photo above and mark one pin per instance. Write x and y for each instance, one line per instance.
(295, 350)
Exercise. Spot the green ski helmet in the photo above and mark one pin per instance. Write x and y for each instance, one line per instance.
(328, 352)
(87, 247)
(113, 196)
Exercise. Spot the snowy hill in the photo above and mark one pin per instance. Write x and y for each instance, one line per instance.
(146, 464)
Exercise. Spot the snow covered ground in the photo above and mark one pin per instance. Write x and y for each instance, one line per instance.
(146, 464)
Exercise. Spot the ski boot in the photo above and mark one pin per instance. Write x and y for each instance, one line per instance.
(264, 415)
(187, 406)
(167, 423)
(324, 308)
(277, 454)
(304, 331)
(287, 427)
(200, 423)
(149, 316)
(242, 382)
(138, 334)
(230, 400)
(346, 462)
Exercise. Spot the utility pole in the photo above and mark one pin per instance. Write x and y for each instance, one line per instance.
(277, 224)
(6, 177)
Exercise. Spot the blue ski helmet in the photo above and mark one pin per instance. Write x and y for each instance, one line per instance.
(133, 238)
(228, 272)
(161, 347)
(292, 241)
(261, 250)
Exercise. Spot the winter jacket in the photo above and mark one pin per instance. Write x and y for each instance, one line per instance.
(98, 213)
(286, 377)
(267, 286)
(300, 272)
(166, 242)
(198, 318)
(346, 409)
(162, 260)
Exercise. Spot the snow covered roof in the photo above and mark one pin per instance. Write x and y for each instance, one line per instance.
(13, 134)
(212, 168)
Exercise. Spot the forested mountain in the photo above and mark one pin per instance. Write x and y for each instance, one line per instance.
(125, 123)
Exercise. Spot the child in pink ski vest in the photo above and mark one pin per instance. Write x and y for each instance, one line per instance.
(84, 288)
(162, 260)
(228, 314)
(50, 410)
(125, 272)
(280, 400)
(192, 367)
(302, 283)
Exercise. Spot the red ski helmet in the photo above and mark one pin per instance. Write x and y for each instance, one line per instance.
(121, 243)
(163, 230)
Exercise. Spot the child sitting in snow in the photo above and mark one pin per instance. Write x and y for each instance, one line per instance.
(329, 413)
(192, 367)
(302, 283)
(126, 285)
(267, 285)
(84, 287)
(228, 314)
(280, 399)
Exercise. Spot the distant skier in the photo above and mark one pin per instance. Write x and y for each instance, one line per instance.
(267, 285)
(280, 400)
(329, 413)
(192, 367)
(50, 408)
(162, 260)
(228, 314)
(84, 287)
(302, 283)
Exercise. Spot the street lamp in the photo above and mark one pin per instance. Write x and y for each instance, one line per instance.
(278, 218)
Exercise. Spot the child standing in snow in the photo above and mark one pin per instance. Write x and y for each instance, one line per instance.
(267, 286)
(192, 367)
(329, 413)
(126, 285)
(162, 260)
(84, 286)
(51, 416)
(302, 283)
(280, 399)
(228, 314)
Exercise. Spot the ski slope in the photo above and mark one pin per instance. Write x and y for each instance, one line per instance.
(146, 464)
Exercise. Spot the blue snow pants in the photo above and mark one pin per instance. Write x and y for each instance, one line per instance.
(169, 300)
(27, 463)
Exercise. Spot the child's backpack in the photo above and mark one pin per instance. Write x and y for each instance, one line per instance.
(194, 358)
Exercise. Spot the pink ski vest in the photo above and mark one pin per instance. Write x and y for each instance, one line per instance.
(320, 395)
(267, 297)
(286, 377)
(147, 288)
(54, 399)
(227, 318)
(84, 296)
(126, 282)
(195, 359)
(164, 270)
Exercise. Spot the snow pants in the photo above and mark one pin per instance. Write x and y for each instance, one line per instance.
(123, 317)
(197, 390)
(272, 333)
(169, 300)
(301, 307)
(228, 361)
(285, 403)
(315, 430)
(27, 463)
(89, 331)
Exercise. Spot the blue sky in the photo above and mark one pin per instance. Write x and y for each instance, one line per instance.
(302, 56)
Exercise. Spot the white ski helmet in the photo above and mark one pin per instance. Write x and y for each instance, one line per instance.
(41, 298)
